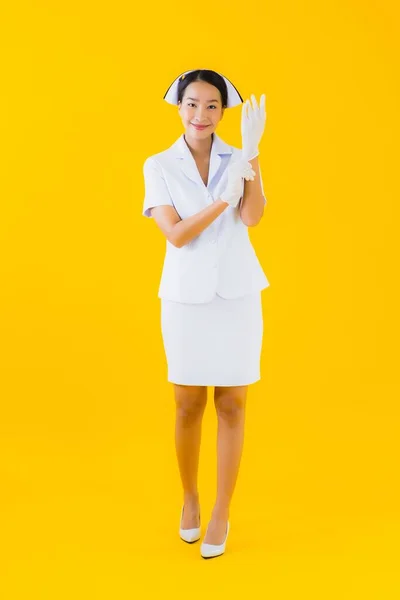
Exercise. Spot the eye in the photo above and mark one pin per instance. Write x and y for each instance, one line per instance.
(192, 104)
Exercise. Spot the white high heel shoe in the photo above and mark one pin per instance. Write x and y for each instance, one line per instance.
(212, 550)
(189, 535)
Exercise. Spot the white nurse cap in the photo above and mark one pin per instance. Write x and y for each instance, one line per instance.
(171, 95)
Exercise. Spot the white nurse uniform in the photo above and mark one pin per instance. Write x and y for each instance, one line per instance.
(210, 288)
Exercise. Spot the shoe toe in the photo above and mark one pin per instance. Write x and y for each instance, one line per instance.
(212, 550)
(189, 535)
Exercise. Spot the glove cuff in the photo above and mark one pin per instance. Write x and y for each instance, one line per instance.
(250, 155)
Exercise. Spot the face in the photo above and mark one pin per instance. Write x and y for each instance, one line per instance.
(201, 105)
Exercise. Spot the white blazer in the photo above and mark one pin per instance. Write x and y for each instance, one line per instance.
(221, 260)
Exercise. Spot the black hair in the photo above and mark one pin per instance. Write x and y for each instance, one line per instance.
(204, 75)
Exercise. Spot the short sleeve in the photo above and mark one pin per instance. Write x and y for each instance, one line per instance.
(156, 190)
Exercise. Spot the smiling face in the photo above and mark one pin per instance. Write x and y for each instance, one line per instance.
(202, 106)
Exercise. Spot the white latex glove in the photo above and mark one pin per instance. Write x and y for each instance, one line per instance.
(252, 126)
(237, 171)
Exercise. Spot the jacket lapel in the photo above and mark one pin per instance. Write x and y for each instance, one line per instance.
(188, 164)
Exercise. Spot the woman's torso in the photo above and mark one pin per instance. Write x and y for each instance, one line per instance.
(221, 259)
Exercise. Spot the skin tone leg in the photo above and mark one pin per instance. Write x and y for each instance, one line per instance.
(190, 404)
(230, 404)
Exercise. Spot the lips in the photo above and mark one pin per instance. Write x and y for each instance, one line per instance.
(200, 126)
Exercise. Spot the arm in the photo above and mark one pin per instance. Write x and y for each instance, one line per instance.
(252, 128)
(181, 231)
(252, 204)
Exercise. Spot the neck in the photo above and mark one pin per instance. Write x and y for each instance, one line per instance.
(199, 148)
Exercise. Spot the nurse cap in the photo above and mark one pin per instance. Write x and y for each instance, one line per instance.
(171, 95)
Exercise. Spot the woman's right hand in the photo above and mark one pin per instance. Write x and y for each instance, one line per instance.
(238, 170)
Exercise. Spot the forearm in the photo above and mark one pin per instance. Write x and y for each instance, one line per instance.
(252, 203)
(187, 229)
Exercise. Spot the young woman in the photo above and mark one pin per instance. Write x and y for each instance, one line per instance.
(204, 194)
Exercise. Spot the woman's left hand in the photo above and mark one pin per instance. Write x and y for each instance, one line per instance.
(252, 126)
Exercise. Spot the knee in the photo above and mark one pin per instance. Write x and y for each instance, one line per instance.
(230, 406)
(190, 404)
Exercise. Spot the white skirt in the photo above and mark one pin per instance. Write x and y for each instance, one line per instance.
(213, 344)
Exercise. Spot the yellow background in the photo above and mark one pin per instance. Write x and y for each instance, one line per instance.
(91, 495)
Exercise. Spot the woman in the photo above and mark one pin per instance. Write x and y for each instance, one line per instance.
(203, 195)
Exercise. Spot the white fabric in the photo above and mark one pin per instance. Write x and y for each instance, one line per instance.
(252, 126)
(221, 260)
(234, 189)
(213, 344)
(234, 98)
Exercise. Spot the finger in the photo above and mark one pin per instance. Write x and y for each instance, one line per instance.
(248, 110)
(254, 100)
(255, 107)
(244, 108)
(249, 175)
(263, 113)
(262, 103)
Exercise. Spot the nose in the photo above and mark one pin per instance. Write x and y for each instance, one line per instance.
(200, 113)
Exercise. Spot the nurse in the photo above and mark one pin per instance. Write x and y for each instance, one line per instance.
(203, 195)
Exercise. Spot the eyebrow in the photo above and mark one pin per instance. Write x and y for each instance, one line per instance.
(196, 99)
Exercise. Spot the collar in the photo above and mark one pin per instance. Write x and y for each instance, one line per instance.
(188, 164)
(218, 146)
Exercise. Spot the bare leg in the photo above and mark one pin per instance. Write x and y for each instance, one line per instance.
(230, 404)
(190, 404)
